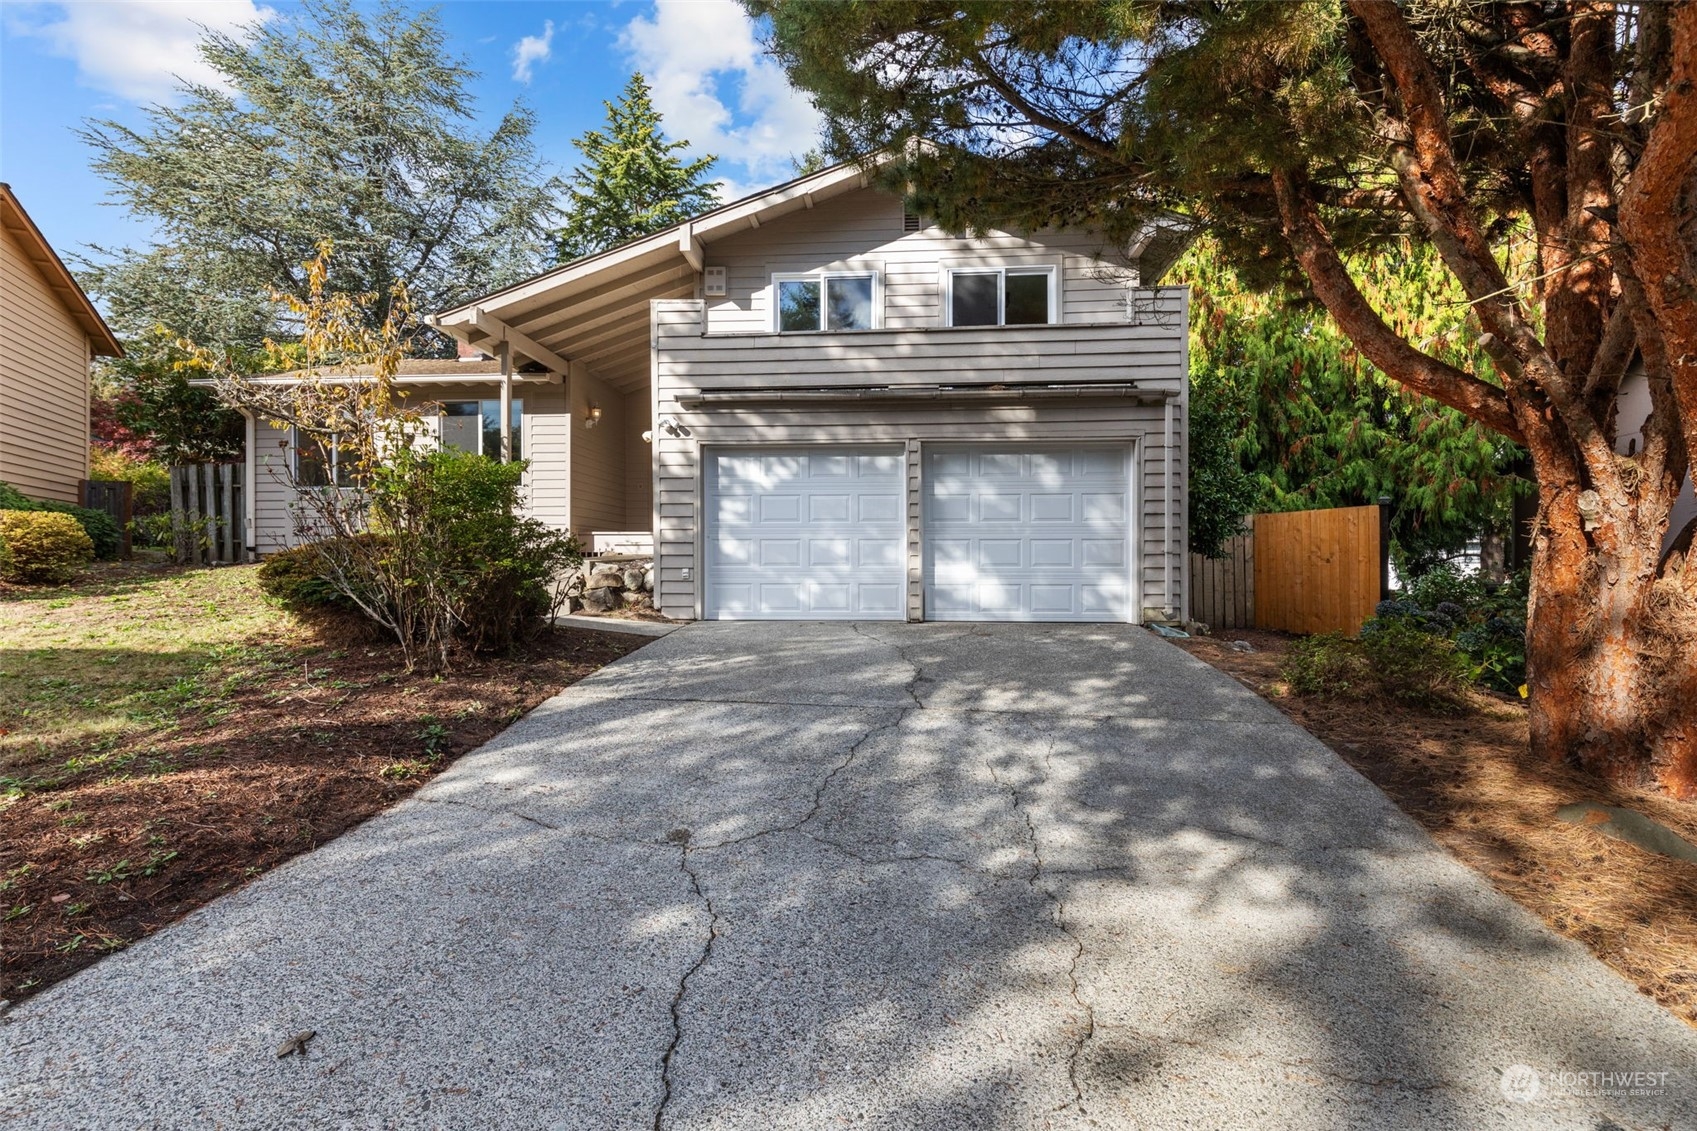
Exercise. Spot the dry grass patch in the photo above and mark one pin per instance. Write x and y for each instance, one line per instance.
(1469, 778)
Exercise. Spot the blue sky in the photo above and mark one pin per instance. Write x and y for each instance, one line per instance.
(61, 63)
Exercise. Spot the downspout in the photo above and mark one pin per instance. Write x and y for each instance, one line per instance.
(1167, 510)
(506, 402)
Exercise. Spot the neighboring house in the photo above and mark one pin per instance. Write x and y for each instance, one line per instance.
(1632, 412)
(49, 335)
(822, 408)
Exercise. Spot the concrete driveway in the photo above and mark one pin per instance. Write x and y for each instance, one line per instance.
(902, 876)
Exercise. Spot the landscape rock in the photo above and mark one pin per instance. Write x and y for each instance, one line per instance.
(600, 600)
(1242, 646)
(605, 579)
(631, 577)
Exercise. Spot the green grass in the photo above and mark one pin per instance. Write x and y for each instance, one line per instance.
(87, 669)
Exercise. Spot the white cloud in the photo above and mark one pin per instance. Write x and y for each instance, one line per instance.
(718, 91)
(137, 49)
(531, 50)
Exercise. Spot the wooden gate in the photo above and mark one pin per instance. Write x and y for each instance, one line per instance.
(1299, 571)
(114, 497)
(207, 509)
(1317, 571)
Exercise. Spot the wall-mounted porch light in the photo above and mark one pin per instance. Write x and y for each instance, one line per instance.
(592, 416)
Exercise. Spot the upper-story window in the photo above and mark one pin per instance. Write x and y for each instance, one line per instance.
(475, 426)
(826, 302)
(1002, 296)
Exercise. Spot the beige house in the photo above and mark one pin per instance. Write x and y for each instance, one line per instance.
(812, 405)
(49, 335)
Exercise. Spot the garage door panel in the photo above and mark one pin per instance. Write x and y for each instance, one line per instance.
(1040, 532)
(805, 533)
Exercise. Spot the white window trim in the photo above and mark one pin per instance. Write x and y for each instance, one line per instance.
(518, 406)
(819, 277)
(332, 466)
(1002, 268)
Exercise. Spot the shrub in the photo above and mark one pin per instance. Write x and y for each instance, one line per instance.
(1414, 666)
(433, 547)
(100, 527)
(1445, 584)
(1331, 665)
(150, 482)
(299, 578)
(44, 548)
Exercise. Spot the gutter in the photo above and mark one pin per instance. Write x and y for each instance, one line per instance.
(707, 398)
(421, 379)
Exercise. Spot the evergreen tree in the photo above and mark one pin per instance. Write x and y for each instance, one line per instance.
(632, 181)
(1309, 422)
(333, 122)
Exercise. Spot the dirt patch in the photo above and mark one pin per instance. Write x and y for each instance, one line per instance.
(297, 748)
(1469, 778)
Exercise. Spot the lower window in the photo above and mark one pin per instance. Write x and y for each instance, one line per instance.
(475, 427)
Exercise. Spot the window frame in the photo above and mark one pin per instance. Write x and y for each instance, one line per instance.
(332, 447)
(517, 433)
(1001, 271)
(821, 277)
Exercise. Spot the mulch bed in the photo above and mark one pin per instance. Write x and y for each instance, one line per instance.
(1468, 776)
(284, 765)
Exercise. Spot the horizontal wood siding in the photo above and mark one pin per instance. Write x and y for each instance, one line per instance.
(597, 456)
(639, 464)
(862, 231)
(44, 391)
(687, 361)
(546, 448)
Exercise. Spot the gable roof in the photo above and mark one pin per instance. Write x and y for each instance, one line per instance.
(594, 310)
(58, 278)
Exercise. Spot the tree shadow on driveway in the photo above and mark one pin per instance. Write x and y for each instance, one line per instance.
(888, 876)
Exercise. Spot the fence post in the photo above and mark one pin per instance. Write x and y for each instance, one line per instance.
(1384, 547)
(209, 513)
(179, 516)
(226, 543)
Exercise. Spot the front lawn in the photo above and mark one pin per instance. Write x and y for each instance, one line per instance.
(167, 734)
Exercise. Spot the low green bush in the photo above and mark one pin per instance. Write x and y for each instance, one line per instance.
(102, 530)
(302, 577)
(1400, 661)
(1485, 620)
(1331, 665)
(44, 548)
(1414, 666)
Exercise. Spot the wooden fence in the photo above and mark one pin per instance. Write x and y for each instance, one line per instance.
(1222, 590)
(114, 497)
(207, 508)
(1300, 571)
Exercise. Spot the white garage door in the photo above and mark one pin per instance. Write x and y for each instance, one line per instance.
(1028, 533)
(806, 534)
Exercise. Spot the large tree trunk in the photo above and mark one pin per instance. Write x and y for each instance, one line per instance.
(1611, 647)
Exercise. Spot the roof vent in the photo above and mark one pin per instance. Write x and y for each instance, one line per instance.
(910, 221)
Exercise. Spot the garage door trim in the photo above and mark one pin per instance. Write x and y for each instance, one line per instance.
(1131, 448)
(709, 526)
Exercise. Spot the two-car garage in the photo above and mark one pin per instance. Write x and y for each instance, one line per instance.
(1030, 532)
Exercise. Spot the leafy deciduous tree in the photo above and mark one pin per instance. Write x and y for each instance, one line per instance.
(1302, 132)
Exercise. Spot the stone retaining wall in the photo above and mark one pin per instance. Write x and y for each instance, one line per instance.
(608, 582)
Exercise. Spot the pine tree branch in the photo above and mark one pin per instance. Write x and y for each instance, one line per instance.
(1383, 346)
